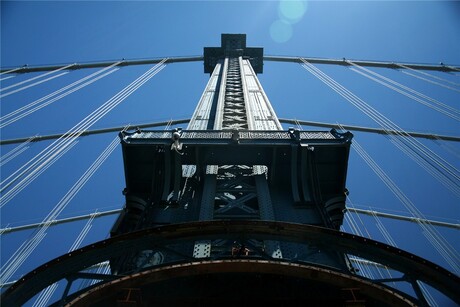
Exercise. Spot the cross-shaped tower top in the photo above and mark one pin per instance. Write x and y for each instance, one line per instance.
(233, 45)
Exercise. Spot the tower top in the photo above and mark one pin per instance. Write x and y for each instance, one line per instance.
(233, 45)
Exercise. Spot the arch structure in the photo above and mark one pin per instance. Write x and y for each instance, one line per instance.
(243, 257)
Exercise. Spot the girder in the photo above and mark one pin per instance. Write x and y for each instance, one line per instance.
(292, 59)
(414, 267)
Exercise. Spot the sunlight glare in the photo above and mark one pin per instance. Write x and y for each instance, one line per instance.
(292, 10)
(280, 31)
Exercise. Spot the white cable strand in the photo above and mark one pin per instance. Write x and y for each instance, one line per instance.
(427, 74)
(10, 71)
(33, 84)
(442, 246)
(32, 110)
(35, 78)
(6, 78)
(383, 121)
(408, 89)
(46, 294)
(31, 177)
(363, 271)
(41, 159)
(22, 253)
(420, 100)
(431, 81)
(429, 298)
(60, 90)
(15, 151)
(429, 168)
(449, 148)
(55, 93)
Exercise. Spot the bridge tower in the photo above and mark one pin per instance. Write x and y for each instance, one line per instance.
(234, 209)
(233, 162)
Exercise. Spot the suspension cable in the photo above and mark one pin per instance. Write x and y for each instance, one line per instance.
(10, 71)
(39, 138)
(442, 246)
(33, 84)
(42, 102)
(41, 160)
(15, 151)
(6, 78)
(445, 169)
(45, 295)
(34, 78)
(402, 217)
(19, 257)
(427, 74)
(350, 217)
(408, 92)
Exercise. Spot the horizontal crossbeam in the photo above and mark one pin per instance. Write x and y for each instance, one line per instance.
(75, 66)
(282, 120)
(291, 59)
(96, 131)
(61, 221)
(344, 62)
(404, 218)
(117, 211)
(371, 130)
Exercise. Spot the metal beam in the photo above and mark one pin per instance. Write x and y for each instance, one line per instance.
(343, 62)
(282, 120)
(75, 66)
(404, 218)
(66, 265)
(292, 59)
(117, 211)
(430, 136)
(61, 221)
(97, 131)
(102, 264)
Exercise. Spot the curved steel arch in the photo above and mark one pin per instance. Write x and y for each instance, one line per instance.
(265, 268)
(415, 268)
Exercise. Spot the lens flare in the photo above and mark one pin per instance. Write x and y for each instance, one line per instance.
(280, 31)
(292, 11)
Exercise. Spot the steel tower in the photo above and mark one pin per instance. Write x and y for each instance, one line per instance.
(234, 210)
(234, 162)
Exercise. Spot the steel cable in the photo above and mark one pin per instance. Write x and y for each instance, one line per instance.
(420, 100)
(45, 295)
(18, 258)
(406, 88)
(442, 246)
(35, 78)
(44, 101)
(15, 151)
(43, 157)
(386, 124)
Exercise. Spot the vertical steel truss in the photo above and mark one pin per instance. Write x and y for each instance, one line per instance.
(234, 111)
(234, 191)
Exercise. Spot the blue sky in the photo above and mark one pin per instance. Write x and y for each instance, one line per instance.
(39, 33)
